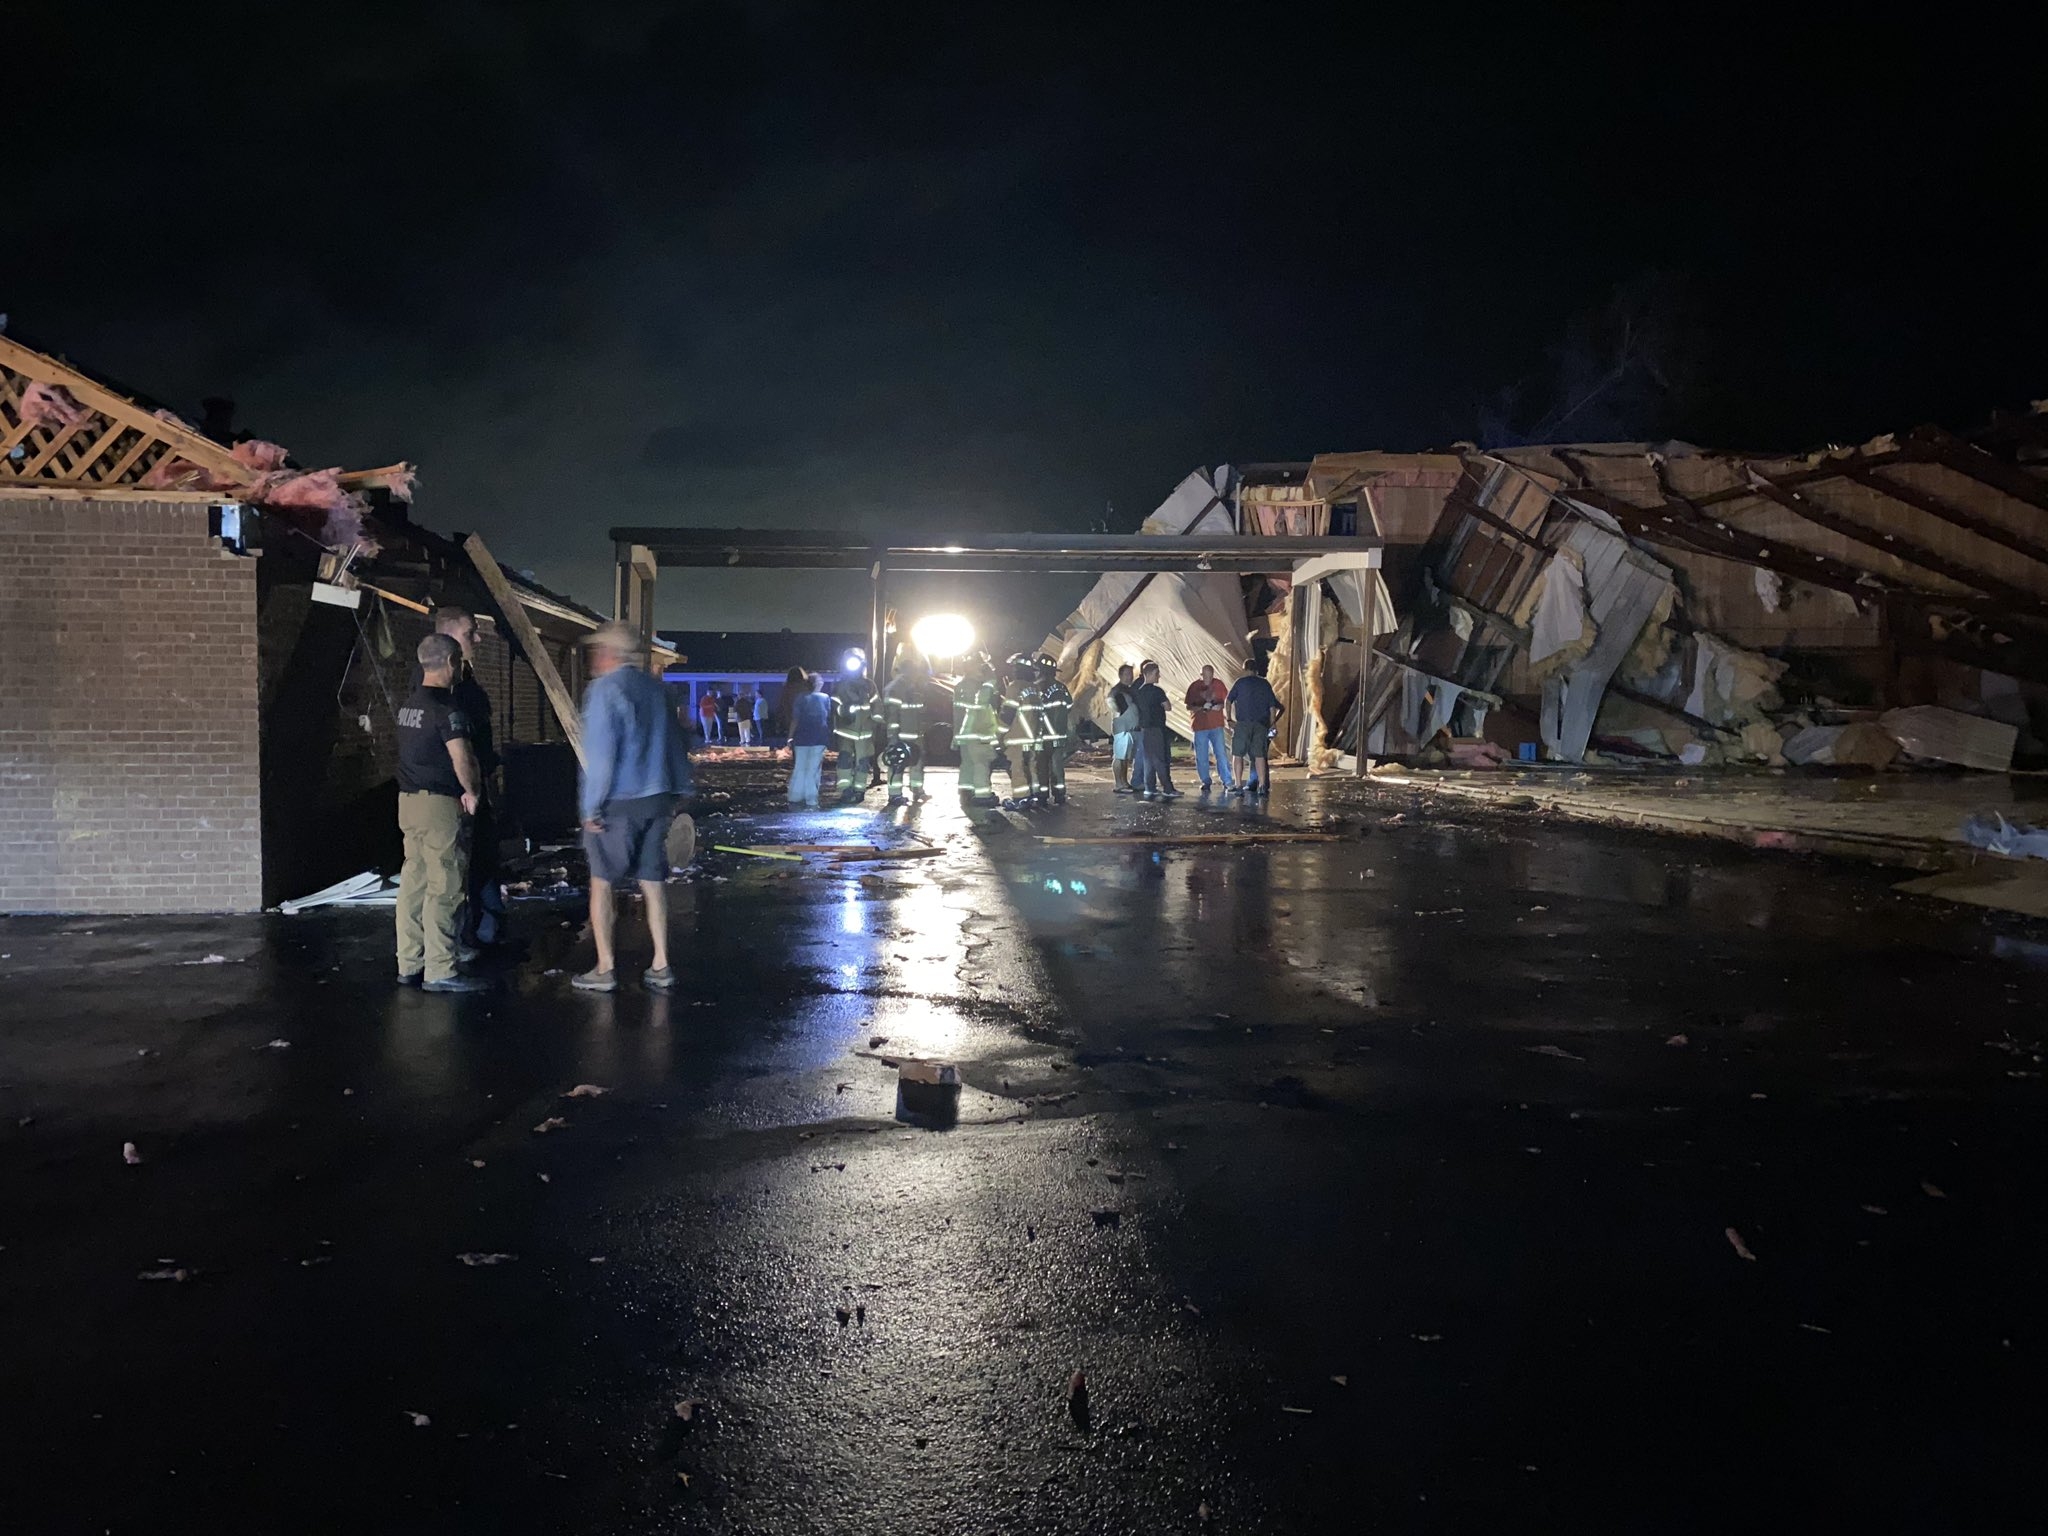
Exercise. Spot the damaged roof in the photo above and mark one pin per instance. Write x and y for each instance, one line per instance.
(67, 435)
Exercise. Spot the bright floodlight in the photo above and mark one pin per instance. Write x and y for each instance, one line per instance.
(854, 662)
(942, 634)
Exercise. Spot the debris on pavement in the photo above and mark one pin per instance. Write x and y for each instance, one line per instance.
(586, 1091)
(419, 1420)
(686, 1409)
(1934, 734)
(928, 1090)
(1995, 833)
(1552, 1050)
(1678, 1040)
(552, 1123)
(129, 1154)
(1197, 839)
(1290, 1408)
(1933, 1191)
(1342, 1381)
(178, 1274)
(277, 1045)
(207, 960)
(485, 1260)
(1735, 1241)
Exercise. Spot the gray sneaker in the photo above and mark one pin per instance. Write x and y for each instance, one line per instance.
(457, 984)
(661, 980)
(596, 981)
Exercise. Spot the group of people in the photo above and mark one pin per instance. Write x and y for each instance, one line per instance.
(636, 769)
(848, 719)
(730, 718)
(1025, 714)
(1139, 741)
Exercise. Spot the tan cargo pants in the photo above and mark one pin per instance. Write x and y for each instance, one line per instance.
(433, 885)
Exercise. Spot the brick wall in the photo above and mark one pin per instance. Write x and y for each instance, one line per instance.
(128, 711)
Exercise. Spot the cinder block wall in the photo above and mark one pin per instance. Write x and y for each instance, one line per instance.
(128, 720)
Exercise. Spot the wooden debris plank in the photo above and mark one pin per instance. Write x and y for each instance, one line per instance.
(537, 657)
(844, 848)
(1218, 839)
(890, 853)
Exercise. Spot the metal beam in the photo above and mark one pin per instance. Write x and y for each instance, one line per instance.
(1903, 549)
(1972, 462)
(1934, 506)
(1065, 553)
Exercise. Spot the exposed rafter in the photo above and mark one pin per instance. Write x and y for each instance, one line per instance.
(65, 435)
(61, 431)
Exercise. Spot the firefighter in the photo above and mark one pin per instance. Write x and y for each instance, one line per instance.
(1058, 716)
(1023, 726)
(975, 728)
(903, 725)
(853, 726)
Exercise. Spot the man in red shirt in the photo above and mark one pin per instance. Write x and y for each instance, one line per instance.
(1205, 700)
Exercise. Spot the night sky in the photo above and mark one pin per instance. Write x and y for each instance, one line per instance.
(933, 267)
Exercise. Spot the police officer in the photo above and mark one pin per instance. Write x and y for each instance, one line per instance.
(903, 724)
(853, 727)
(1058, 707)
(975, 728)
(1023, 725)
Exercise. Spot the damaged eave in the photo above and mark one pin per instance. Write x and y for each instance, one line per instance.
(66, 436)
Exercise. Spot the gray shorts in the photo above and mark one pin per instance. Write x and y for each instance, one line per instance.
(1251, 740)
(634, 842)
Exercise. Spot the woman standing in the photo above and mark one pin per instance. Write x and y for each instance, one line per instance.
(810, 731)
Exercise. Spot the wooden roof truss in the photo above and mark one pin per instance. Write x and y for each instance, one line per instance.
(106, 448)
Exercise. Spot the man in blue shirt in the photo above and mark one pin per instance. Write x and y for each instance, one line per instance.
(634, 768)
(1253, 704)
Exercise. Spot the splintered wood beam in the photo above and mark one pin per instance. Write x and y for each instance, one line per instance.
(516, 618)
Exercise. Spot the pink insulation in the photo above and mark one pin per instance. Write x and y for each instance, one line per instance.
(51, 405)
(258, 454)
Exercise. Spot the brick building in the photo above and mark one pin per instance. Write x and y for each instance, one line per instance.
(184, 725)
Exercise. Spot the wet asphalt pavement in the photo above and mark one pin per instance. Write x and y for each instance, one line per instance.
(1395, 1182)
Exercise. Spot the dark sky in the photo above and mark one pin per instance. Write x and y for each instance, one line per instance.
(954, 266)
